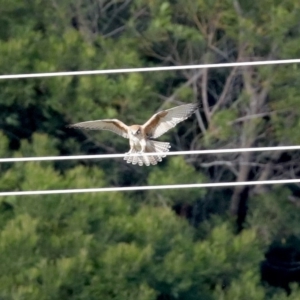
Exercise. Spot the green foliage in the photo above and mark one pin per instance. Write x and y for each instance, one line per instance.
(221, 126)
(246, 287)
(279, 208)
(138, 245)
(176, 172)
(139, 254)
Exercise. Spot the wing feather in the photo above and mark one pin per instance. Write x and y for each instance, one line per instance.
(113, 125)
(164, 120)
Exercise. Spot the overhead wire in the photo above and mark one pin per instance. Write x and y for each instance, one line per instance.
(150, 187)
(119, 155)
(150, 69)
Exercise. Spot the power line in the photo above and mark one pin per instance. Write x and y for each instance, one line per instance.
(192, 152)
(152, 69)
(151, 187)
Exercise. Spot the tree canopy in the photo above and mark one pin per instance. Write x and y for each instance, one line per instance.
(221, 243)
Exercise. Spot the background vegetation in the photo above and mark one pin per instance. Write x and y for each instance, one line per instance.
(233, 243)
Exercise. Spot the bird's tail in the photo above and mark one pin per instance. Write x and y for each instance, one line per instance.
(152, 146)
(133, 159)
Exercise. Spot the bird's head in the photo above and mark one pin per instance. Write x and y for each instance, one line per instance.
(135, 130)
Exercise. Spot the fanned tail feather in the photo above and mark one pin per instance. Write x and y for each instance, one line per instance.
(152, 146)
(158, 147)
(133, 159)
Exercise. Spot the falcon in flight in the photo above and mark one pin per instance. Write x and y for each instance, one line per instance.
(141, 136)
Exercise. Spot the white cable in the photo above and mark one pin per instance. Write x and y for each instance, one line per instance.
(152, 69)
(101, 156)
(147, 188)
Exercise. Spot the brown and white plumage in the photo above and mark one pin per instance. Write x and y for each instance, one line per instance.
(140, 136)
(113, 125)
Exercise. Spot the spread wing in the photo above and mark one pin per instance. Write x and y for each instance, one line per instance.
(164, 120)
(113, 125)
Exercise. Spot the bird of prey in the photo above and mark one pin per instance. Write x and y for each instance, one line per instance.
(141, 136)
